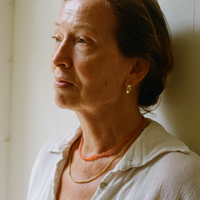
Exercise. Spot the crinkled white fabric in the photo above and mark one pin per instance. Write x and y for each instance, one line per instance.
(156, 167)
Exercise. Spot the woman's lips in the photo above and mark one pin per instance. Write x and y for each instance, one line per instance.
(61, 83)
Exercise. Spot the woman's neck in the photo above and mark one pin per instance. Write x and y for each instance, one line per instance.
(107, 127)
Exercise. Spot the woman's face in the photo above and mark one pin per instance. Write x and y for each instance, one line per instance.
(89, 69)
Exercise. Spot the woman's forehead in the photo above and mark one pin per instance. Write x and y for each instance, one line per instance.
(86, 11)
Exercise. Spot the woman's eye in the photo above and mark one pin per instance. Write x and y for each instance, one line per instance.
(55, 38)
(81, 40)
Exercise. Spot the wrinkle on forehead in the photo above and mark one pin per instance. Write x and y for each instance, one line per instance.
(82, 9)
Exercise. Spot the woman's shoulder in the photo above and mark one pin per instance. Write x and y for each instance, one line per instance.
(171, 163)
(171, 175)
(178, 171)
(180, 162)
(171, 153)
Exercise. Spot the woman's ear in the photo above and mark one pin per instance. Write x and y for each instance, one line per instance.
(137, 72)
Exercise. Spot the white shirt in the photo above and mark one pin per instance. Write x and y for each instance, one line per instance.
(156, 167)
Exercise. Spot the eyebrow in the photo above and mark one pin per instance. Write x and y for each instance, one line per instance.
(57, 24)
(82, 26)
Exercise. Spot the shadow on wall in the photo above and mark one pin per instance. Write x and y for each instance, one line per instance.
(181, 99)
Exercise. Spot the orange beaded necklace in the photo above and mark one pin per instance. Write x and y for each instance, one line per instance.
(108, 153)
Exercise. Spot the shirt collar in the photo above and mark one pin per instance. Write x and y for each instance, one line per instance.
(63, 143)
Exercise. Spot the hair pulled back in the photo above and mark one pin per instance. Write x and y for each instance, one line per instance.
(142, 32)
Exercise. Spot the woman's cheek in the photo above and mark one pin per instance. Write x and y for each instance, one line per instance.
(88, 64)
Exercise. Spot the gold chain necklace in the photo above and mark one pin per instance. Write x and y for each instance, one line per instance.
(108, 165)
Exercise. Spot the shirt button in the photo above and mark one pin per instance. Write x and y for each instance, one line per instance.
(103, 185)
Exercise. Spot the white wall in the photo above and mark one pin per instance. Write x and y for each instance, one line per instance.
(5, 80)
(34, 116)
(180, 109)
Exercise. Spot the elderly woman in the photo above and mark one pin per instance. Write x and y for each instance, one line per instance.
(110, 64)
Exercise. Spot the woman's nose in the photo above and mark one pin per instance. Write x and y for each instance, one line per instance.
(62, 55)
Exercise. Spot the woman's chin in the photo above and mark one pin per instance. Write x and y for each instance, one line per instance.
(65, 102)
(61, 101)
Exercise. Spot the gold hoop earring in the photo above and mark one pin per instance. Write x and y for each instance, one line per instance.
(128, 90)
